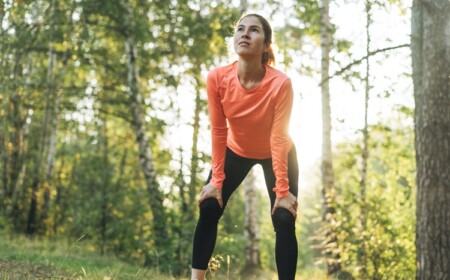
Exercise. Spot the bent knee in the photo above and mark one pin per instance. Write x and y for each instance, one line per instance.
(283, 220)
(210, 209)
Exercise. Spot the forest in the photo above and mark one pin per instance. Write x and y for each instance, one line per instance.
(104, 132)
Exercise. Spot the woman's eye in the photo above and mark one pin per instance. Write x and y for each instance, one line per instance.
(255, 30)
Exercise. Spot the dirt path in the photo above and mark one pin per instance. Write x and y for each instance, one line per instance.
(22, 270)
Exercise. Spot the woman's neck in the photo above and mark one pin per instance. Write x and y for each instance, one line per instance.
(250, 73)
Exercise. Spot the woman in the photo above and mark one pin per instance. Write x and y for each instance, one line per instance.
(250, 105)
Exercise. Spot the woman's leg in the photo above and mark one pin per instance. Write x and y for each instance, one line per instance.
(236, 169)
(198, 274)
(286, 247)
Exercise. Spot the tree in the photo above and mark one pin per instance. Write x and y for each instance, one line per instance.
(46, 144)
(155, 195)
(430, 46)
(252, 253)
(365, 148)
(390, 202)
(329, 211)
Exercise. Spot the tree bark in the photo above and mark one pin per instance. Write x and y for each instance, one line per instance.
(33, 217)
(362, 254)
(106, 182)
(430, 45)
(51, 152)
(15, 160)
(15, 168)
(330, 243)
(189, 191)
(4, 129)
(252, 255)
(50, 160)
(155, 196)
(243, 6)
(194, 150)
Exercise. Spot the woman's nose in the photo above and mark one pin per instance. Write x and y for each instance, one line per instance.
(245, 34)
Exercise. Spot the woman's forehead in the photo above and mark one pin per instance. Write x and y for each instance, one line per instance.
(250, 21)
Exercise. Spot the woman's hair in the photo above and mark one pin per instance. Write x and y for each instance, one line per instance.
(268, 57)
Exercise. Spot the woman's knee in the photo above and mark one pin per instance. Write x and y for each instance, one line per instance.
(210, 209)
(283, 221)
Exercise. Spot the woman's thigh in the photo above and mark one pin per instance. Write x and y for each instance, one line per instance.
(292, 169)
(236, 169)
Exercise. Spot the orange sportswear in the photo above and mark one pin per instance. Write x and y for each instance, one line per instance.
(253, 123)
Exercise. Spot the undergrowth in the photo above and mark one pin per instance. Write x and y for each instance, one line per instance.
(43, 258)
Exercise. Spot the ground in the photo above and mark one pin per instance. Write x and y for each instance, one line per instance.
(12, 269)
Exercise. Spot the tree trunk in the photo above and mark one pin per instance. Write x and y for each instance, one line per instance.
(362, 254)
(51, 154)
(14, 191)
(15, 161)
(15, 115)
(252, 255)
(430, 47)
(59, 204)
(3, 160)
(155, 196)
(330, 244)
(189, 191)
(33, 219)
(50, 162)
(243, 6)
(106, 182)
(3, 118)
(193, 185)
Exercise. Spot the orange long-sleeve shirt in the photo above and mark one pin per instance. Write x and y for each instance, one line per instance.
(252, 123)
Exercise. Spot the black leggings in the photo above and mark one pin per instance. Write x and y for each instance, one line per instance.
(236, 169)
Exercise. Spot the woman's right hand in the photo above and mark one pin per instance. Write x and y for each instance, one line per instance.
(209, 191)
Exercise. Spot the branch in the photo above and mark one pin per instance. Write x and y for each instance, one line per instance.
(358, 61)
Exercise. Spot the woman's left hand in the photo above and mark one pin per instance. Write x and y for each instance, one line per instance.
(288, 202)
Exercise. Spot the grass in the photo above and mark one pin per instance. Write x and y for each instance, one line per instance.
(26, 259)
(22, 258)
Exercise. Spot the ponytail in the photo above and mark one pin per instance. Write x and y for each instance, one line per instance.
(268, 57)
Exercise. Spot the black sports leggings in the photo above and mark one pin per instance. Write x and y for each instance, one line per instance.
(236, 169)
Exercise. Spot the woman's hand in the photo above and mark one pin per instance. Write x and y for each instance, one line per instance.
(289, 202)
(209, 191)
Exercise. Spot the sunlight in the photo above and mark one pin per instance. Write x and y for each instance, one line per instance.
(347, 100)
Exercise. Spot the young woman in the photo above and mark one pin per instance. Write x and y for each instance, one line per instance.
(250, 106)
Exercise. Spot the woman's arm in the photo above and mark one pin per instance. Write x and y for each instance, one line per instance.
(219, 129)
(280, 141)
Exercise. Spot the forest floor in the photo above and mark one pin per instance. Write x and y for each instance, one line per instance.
(25, 259)
(13, 269)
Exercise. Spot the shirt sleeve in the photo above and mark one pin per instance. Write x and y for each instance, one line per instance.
(280, 141)
(219, 130)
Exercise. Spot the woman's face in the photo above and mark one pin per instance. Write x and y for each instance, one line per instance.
(249, 38)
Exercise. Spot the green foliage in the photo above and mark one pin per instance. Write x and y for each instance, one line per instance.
(97, 187)
(302, 25)
(390, 204)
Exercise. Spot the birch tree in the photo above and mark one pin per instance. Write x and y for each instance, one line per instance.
(155, 195)
(45, 146)
(330, 242)
(365, 149)
(252, 253)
